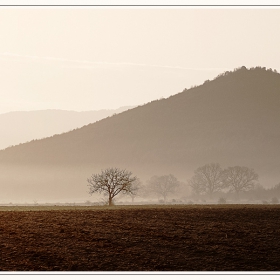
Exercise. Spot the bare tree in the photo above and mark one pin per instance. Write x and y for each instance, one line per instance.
(240, 178)
(111, 182)
(207, 179)
(163, 185)
(276, 190)
(136, 187)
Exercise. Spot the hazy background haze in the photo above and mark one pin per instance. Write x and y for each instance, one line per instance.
(104, 58)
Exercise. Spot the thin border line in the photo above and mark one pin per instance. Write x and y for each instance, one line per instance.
(139, 273)
(140, 5)
(163, 273)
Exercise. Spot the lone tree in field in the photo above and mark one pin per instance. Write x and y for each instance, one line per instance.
(240, 179)
(207, 179)
(111, 182)
(163, 185)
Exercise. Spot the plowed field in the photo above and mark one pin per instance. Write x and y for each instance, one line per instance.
(147, 238)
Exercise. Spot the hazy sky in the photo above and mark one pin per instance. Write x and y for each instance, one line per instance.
(102, 58)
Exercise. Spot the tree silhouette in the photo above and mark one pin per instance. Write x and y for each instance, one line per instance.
(163, 185)
(240, 178)
(136, 187)
(111, 182)
(207, 179)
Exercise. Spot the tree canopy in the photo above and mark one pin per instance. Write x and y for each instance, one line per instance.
(163, 185)
(240, 178)
(111, 182)
(207, 179)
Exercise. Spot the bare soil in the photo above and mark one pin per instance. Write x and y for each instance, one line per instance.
(148, 238)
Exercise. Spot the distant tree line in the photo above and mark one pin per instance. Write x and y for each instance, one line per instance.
(211, 178)
(114, 181)
(243, 68)
(209, 181)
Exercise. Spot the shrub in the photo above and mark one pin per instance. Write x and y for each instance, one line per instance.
(222, 200)
(274, 200)
(264, 202)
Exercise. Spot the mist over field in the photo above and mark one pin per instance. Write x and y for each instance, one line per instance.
(204, 84)
(232, 120)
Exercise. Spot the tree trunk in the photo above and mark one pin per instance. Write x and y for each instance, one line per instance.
(110, 201)
(237, 196)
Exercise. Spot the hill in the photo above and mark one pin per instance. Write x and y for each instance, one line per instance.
(23, 126)
(233, 120)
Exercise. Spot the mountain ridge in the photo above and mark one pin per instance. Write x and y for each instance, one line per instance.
(233, 120)
(24, 126)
